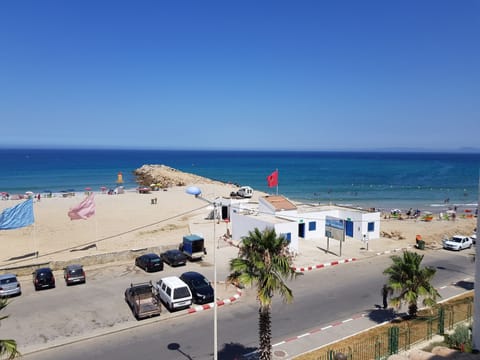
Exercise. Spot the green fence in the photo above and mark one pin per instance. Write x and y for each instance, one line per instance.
(381, 342)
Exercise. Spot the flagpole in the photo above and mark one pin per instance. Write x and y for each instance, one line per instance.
(277, 179)
(35, 245)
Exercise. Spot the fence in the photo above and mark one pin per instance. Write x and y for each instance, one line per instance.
(399, 335)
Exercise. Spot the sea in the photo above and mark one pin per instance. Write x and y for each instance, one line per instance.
(384, 180)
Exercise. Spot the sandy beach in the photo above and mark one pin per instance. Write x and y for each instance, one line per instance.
(130, 221)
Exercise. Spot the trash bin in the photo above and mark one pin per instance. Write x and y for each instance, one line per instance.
(421, 244)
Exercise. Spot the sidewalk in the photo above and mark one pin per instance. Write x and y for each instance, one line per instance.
(331, 333)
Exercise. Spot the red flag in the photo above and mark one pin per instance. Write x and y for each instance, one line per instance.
(83, 210)
(272, 179)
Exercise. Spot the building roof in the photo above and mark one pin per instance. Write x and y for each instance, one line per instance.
(279, 203)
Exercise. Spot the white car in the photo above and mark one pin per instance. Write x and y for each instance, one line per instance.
(457, 243)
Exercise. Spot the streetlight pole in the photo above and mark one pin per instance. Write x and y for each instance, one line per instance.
(193, 190)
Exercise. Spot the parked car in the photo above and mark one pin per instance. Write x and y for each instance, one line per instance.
(9, 285)
(149, 262)
(74, 274)
(142, 300)
(43, 278)
(202, 290)
(174, 257)
(174, 293)
(457, 243)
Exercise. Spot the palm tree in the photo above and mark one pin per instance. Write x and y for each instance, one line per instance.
(409, 282)
(264, 261)
(7, 347)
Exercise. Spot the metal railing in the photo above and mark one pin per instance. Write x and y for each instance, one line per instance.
(399, 335)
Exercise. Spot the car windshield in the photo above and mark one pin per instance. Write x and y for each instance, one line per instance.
(154, 260)
(458, 240)
(44, 275)
(8, 281)
(181, 292)
(142, 290)
(75, 271)
(200, 283)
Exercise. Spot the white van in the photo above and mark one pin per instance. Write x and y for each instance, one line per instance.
(245, 192)
(173, 292)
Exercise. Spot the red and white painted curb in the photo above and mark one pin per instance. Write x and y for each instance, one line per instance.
(332, 263)
(229, 300)
(320, 266)
(314, 331)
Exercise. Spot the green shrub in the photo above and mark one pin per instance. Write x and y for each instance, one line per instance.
(460, 339)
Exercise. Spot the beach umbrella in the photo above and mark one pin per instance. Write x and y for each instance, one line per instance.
(88, 189)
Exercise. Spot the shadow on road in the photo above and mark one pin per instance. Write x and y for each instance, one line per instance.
(467, 285)
(380, 315)
(234, 351)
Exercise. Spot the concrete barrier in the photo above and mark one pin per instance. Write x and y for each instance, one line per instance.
(86, 261)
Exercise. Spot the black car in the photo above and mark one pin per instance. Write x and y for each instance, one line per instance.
(43, 278)
(149, 262)
(174, 257)
(202, 291)
(74, 274)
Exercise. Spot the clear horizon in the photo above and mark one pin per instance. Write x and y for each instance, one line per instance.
(269, 75)
(473, 151)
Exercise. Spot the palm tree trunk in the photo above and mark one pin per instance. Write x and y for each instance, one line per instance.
(265, 333)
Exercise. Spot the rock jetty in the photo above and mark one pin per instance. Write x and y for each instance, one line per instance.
(164, 176)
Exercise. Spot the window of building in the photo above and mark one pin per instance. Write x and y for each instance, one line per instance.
(371, 226)
(288, 237)
(312, 226)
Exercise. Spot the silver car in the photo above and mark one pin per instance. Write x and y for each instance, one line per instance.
(9, 285)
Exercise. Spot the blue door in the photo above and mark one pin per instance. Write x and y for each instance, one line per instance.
(301, 230)
(349, 228)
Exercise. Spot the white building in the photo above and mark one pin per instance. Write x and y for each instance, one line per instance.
(301, 223)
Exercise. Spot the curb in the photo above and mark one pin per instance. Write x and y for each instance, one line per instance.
(230, 300)
(314, 331)
(320, 266)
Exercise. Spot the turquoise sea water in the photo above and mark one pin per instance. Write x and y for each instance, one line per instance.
(428, 181)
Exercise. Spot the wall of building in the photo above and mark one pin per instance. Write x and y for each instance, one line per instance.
(360, 222)
(242, 224)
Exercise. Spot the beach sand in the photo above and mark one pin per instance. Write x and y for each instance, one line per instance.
(130, 221)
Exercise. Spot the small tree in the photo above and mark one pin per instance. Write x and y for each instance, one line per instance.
(264, 261)
(409, 282)
(7, 347)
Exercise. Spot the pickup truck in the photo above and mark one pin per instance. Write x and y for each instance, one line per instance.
(142, 301)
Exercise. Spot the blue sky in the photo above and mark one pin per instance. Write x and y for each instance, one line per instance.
(296, 75)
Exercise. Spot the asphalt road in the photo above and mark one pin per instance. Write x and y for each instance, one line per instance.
(321, 297)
